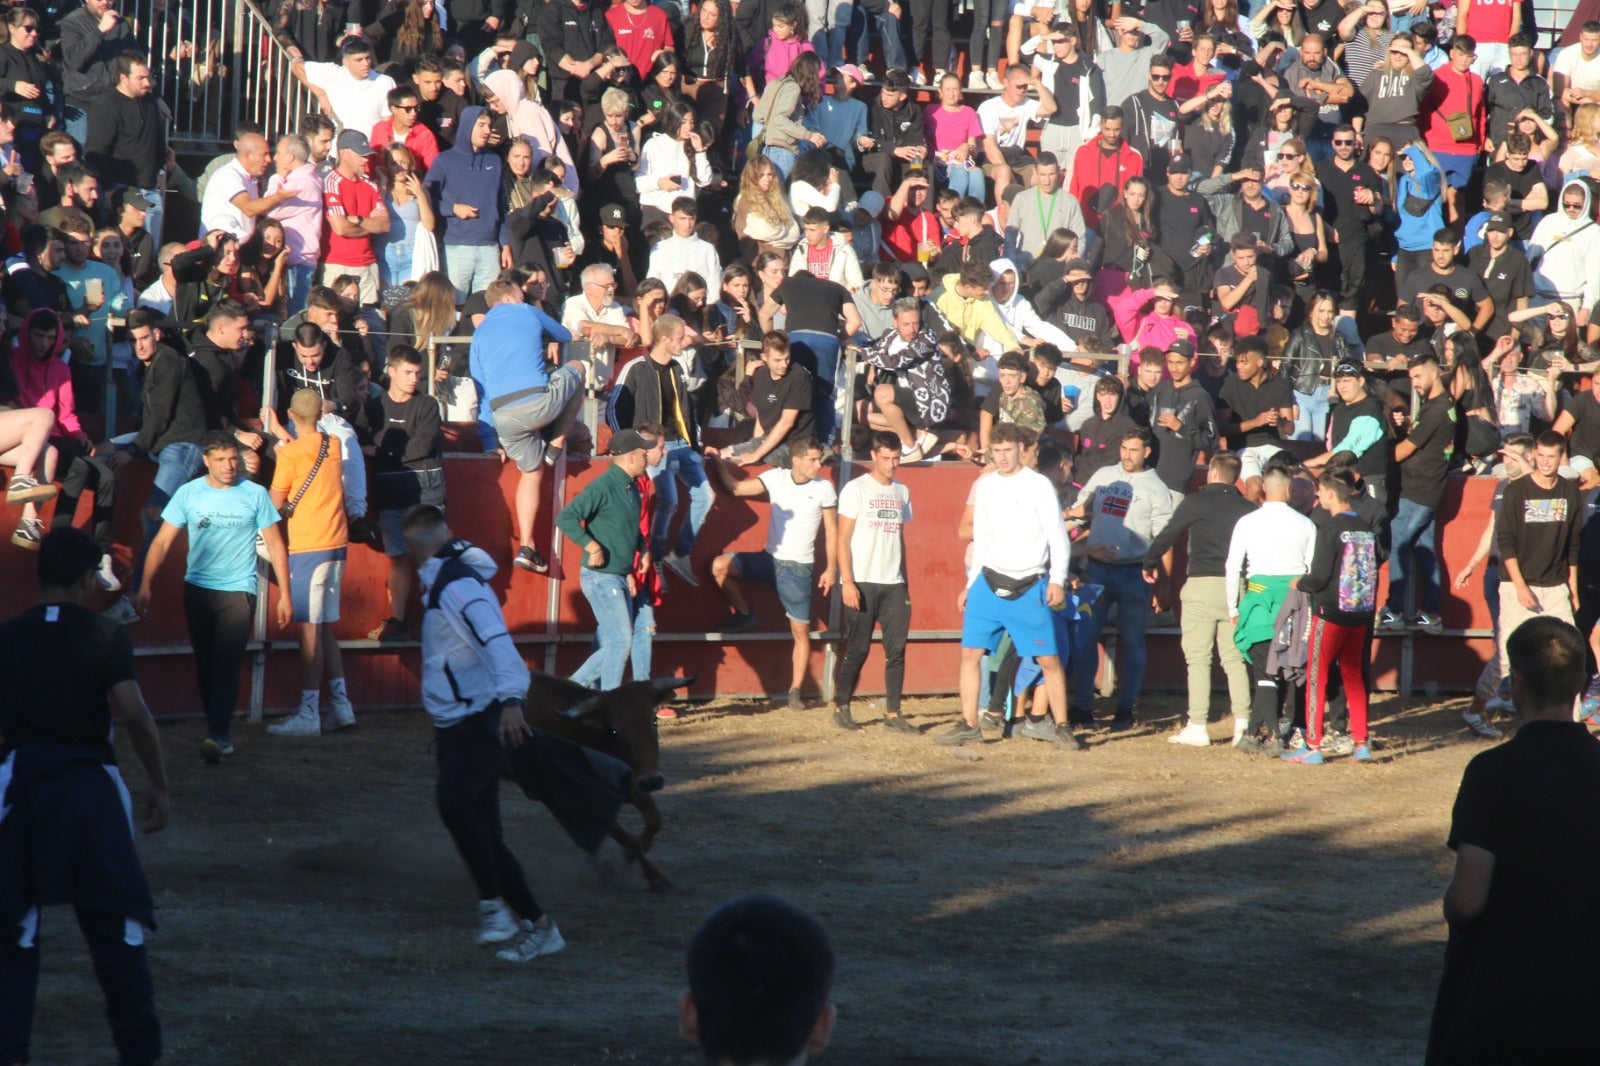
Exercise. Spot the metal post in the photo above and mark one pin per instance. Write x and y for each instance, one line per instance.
(258, 632)
(847, 453)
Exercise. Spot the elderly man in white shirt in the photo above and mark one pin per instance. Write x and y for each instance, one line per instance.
(599, 324)
(233, 199)
(356, 95)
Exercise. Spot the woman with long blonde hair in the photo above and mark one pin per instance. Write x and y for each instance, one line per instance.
(1309, 233)
(762, 212)
(1583, 153)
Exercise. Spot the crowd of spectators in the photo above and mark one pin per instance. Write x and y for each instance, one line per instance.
(1359, 238)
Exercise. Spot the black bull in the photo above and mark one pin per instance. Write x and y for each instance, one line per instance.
(585, 794)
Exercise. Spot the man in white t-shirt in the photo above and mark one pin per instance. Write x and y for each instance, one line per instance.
(233, 200)
(873, 512)
(1575, 75)
(801, 501)
(1005, 121)
(356, 95)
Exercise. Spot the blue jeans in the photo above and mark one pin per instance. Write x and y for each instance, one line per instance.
(1414, 528)
(301, 279)
(1312, 420)
(819, 354)
(77, 122)
(1491, 594)
(394, 266)
(176, 464)
(681, 461)
(782, 158)
(963, 181)
(644, 634)
(894, 53)
(471, 267)
(1126, 587)
(612, 605)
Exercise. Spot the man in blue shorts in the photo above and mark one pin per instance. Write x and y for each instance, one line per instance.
(1018, 538)
(801, 501)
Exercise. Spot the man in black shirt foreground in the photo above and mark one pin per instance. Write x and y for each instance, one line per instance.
(65, 816)
(1522, 964)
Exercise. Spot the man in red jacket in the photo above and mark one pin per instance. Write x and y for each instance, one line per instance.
(1101, 168)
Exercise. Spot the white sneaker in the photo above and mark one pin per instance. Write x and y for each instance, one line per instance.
(1239, 727)
(1192, 735)
(1498, 705)
(1480, 726)
(122, 612)
(534, 943)
(302, 723)
(993, 79)
(106, 576)
(496, 923)
(340, 716)
(975, 80)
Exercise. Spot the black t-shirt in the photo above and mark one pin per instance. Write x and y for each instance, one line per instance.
(1177, 448)
(405, 435)
(1466, 288)
(1585, 437)
(1181, 218)
(1422, 475)
(1522, 183)
(61, 662)
(1539, 528)
(792, 392)
(812, 303)
(1507, 278)
(1049, 395)
(1324, 19)
(1256, 221)
(1339, 186)
(1527, 966)
(1247, 401)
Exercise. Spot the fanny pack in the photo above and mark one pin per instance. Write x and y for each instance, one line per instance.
(1007, 587)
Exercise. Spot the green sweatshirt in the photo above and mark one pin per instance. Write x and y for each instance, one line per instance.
(1258, 610)
(607, 511)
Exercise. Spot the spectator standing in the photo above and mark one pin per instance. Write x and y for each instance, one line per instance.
(1353, 198)
(1509, 92)
(1040, 211)
(1183, 420)
(32, 85)
(1103, 167)
(814, 307)
(1126, 507)
(140, 263)
(402, 127)
(233, 199)
(1424, 459)
(465, 185)
(1537, 531)
(604, 520)
(67, 808)
(575, 36)
(222, 513)
(92, 38)
(301, 214)
(1456, 140)
(128, 137)
(355, 94)
(403, 425)
(474, 682)
(683, 252)
(1080, 93)
(1526, 855)
(1016, 579)
(355, 214)
(1208, 517)
(873, 512)
(96, 294)
(307, 487)
(527, 408)
(802, 501)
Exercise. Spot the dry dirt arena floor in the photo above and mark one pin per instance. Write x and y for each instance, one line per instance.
(1137, 903)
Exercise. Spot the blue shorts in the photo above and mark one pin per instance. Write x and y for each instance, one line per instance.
(1027, 618)
(1028, 672)
(314, 579)
(1457, 167)
(792, 580)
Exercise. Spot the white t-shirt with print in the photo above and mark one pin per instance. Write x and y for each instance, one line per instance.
(796, 514)
(880, 512)
(994, 114)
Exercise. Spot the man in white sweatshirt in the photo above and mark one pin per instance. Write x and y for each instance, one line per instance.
(1565, 252)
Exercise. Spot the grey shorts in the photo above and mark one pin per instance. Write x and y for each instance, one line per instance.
(520, 425)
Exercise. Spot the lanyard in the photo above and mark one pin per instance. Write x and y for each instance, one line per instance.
(1038, 205)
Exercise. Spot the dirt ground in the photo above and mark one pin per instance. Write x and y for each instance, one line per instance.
(1137, 903)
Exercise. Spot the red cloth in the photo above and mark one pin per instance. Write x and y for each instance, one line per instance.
(1449, 93)
(423, 144)
(1093, 169)
(1346, 645)
(355, 198)
(901, 237)
(640, 35)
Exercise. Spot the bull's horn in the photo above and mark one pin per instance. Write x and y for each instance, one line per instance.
(664, 685)
(578, 710)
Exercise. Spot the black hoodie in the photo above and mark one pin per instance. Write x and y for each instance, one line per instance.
(218, 377)
(174, 403)
(1100, 439)
(338, 379)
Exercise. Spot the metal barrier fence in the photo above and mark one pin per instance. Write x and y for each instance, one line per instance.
(217, 65)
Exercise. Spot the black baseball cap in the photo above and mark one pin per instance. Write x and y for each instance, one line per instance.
(1497, 221)
(613, 215)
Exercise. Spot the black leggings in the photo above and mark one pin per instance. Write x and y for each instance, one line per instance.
(1269, 693)
(468, 795)
(123, 971)
(935, 16)
(890, 607)
(219, 630)
(83, 471)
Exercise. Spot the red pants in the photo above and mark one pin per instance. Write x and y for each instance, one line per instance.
(1346, 645)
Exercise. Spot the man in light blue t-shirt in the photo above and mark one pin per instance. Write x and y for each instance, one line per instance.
(222, 515)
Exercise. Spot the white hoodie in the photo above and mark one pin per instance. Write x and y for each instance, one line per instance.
(468, 659)
(1019, 313)
(1565, 253)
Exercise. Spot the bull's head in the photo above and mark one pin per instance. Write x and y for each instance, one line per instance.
(626, 717)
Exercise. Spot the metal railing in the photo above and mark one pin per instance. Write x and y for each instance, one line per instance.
(217, 65)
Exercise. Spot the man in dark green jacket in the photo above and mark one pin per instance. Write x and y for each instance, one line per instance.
(605, 520)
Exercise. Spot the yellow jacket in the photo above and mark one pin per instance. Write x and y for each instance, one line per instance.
(971, 317)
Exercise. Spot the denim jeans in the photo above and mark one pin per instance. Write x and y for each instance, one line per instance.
(1125, 586)
(963, 181)
(644, 634)
(395, 262)
(782, 158)
(301, 279)
(176, 464)
(819, 354)
(471, 267)
(1312, 420)
(613, 619)
(77, 122)
(680, 461)
(894, 53)
(1414, 528)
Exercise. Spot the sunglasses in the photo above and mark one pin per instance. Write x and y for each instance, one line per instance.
(1288, 155)
(1160, 77)
(1300, 186)
(1343, 141)
(29, 29)
(403, 107)
(1572, 206)
(1561, 315)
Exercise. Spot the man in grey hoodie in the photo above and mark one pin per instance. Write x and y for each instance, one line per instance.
(465, 184)
(1125, 506)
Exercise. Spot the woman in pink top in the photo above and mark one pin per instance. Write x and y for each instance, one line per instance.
(954, 131)
(786, 40)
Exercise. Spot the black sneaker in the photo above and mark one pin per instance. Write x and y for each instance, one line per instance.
(991, 720)
(393, 631)
(740, 623)
(898, 724)
(1122, 722)
(1035, 729)
(530, 559)
(1071, 741)
(841, 717)
(1080, 719)
(1249, 744)
(794, 702)
(961, 733)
